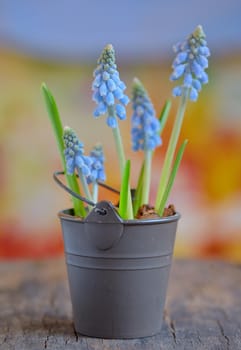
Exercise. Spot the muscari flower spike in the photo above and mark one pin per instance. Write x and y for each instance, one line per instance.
(97, 171)
(191, 62)
(145, 125)
(108, 88)
(74, 154)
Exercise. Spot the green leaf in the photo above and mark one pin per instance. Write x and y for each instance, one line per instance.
(164, 114)
(172, 176)
(55, 120)
(169, 156)
(138, 191)
(123, 204)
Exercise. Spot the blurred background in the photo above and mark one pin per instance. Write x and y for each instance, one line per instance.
(59, 42)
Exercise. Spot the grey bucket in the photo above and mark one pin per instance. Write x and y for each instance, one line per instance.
(118, 271)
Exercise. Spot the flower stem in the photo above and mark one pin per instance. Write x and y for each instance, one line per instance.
(95, 189)
(146, 177)
(171, 149)
(122, 163)
(119, 147)
(85, 187)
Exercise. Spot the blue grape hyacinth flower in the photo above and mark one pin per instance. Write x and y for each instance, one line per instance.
(190, 63)
(108, 89)
(145, 126)
(97, 170)
(74, 154)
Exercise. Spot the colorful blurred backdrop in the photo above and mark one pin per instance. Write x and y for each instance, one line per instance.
(59, 42)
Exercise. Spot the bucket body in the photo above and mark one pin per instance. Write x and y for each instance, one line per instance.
(118, 272)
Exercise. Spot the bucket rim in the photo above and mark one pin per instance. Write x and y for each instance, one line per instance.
(64, 214)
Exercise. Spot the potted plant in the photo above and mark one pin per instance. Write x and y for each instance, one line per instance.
(119, 255)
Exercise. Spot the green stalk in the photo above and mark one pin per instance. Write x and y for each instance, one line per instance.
(172, 177)
(146, 178)
(95, 190)
(119, 147)
(171, 150)
(55, 120)
(138, 193)
(85, 187)
(122, 162)
(124, 192)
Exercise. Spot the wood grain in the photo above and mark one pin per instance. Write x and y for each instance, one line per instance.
(203, 309)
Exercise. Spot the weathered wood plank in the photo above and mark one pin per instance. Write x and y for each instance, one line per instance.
(203, 309)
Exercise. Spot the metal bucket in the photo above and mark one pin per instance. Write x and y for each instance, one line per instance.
(118, 271)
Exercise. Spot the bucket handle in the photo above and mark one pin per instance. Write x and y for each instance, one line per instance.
(103, 213)
(76, 195)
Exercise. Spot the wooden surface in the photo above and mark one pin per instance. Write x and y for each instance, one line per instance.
(203, 309)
